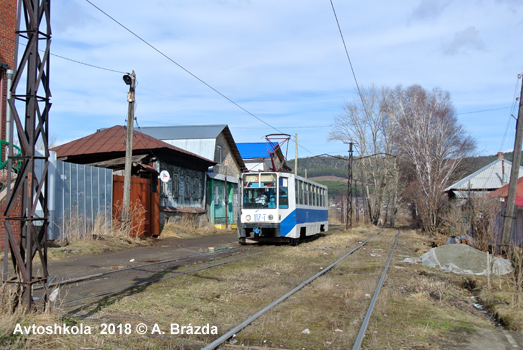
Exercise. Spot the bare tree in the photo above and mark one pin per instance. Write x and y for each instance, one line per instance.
(432, 144)
(368, 123)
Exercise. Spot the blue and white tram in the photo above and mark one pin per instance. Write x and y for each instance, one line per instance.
(281, 207)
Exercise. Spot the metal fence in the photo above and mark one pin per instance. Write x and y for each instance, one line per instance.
(79, 199)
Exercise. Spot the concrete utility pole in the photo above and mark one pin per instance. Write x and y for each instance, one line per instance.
(348, 222)
(514, 175)
(296, 154)
(129, 79)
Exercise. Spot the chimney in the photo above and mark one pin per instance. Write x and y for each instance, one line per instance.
(501, 155)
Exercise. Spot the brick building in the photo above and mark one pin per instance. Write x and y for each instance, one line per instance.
(7, 61)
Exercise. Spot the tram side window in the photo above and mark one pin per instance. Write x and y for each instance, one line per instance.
(296, 191)
(305, 194)
(284, 193)
(300, 190)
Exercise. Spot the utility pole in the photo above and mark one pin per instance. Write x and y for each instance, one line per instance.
(129, 79)
(348, 222)
(514, 175)
(296, 155)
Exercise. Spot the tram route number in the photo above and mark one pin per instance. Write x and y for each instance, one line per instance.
(260, 217)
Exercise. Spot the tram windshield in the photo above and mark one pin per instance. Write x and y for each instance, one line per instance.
(259, 191)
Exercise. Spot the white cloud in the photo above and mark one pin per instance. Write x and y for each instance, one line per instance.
(464, 41)
(429, 9)
(281, 60)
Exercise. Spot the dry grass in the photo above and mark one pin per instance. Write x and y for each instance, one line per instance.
(504, 296)
(186, 227)
(82, 236)
(11, 316)
(422, 308)
(418, 308)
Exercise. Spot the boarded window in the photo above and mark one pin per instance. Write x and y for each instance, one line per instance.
(176, 185)
(187, 187)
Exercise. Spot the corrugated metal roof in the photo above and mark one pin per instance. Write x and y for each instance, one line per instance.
(489, 177)
(184, 132)
(203, 147)
(191, 134)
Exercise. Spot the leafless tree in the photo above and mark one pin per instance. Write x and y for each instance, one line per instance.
(368, 123)
(432, 144)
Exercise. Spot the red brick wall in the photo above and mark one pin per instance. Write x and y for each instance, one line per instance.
(7, 56)
(7, 31)
(15, 225)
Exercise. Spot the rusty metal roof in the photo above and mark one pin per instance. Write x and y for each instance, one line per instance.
(112, 140)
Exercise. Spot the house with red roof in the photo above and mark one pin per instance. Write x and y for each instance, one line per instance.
(181, 191)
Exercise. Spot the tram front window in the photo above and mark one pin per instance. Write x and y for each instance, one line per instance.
(259, 191)
(258, 198)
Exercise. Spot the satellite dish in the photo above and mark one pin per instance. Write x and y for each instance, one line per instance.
(164, 176)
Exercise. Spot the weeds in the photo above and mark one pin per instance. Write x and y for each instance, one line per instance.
(135, 227)
(77, 228)
(186, 226)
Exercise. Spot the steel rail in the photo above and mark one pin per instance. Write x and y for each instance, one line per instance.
(148, 281)
(363, 328)
(95, 276)
(249, 320)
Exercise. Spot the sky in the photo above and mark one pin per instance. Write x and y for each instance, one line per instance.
(282, 61)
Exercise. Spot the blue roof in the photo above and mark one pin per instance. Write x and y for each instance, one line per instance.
(249, 150)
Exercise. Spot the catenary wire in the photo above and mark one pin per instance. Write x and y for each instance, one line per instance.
(70, 59)
(185, 69)
(350, 62)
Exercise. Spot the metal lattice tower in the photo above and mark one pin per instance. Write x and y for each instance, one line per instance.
(348, 222)
(30, 187)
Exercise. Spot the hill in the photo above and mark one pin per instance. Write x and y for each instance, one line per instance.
(332, 172)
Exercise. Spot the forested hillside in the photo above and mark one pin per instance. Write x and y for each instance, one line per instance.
(337, 167)
(321, 166)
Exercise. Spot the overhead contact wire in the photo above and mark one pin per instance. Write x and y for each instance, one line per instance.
(183, 68)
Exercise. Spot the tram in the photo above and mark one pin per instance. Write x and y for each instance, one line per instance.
(281, 207)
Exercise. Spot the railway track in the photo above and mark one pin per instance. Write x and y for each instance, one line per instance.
(81, 292)
(85, 295)
(77, 293)
(235, 330)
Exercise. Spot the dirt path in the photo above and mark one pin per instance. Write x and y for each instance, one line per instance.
(83, 265)
(495, 339)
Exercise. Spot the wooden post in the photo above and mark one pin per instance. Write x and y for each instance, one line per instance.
(129, 79)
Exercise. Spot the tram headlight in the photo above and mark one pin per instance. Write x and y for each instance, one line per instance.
(271, 217)
(248, 218)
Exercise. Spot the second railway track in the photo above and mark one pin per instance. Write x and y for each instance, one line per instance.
(322, 287)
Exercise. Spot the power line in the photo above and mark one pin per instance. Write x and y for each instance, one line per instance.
(185, 69)
(88, 64)
(484, 110)
(350, 62)
(70, 59)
